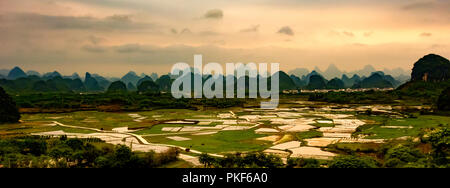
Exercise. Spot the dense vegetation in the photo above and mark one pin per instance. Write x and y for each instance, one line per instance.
(431, 151)
(444, 100)
(8, 110)
(39, 152)
(250, 160)
(114, 101)
(368, 97)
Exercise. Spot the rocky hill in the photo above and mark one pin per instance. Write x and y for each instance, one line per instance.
(431, 68)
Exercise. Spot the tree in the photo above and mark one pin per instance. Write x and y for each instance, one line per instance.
(440, 142)
(8, 109)
(206, 160)
(352, 162)
(400, 155)
(444, 100)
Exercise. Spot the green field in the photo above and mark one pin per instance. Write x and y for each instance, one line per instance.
(378, 126)
(221, 142)
(413, 126)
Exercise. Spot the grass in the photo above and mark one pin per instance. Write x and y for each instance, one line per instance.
(317, 124)
(375, 130)
(99, 120)
(109, 120)
(157, 129)
(35, 127)
(354, 147)
(221, 142)
(308, 134)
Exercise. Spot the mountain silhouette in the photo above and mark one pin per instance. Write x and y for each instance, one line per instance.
(316, 82)
(332, 72)
(91, 83)
(376, 80)
(299, 72)
(15, 73)
(51, 75)
(4, 72)
(33, 73)
(131, 77)
(146, 78)
(285, 81)
(117, 86)
(335, 83)
(431, 68)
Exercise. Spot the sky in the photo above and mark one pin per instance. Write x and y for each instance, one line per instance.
(112, 37)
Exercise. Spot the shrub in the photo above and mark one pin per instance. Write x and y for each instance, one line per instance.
(302, 163)
(404, 154)
(351, 161)
(8, 110)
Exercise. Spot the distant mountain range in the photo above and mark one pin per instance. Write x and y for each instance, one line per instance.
(333, 72)
(19, 81)
(300, 78)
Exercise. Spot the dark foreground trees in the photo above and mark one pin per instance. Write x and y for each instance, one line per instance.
(238, 160)
(8, 110)
(444, 100)
(41, 152)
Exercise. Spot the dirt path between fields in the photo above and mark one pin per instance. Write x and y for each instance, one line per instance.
(141, 140)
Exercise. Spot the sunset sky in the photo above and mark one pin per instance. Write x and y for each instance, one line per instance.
(112, 37)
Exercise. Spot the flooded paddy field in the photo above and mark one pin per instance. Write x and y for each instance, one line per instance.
(300, 129)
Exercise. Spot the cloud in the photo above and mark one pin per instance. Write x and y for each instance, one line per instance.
(114, 22)
(186, 31)
(120, 18)
(95, 40)
(93, 48)
(368, 34)
(214, 14)
(208, 33)
(418, 6)
(426, 34)
(253, 28)
(128, 48)
(344, 34)
(286, 30)
(348, 34)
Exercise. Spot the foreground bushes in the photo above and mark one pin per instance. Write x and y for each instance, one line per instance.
(250, 160)
(352, 161)
(8, 110)
(37, 152)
